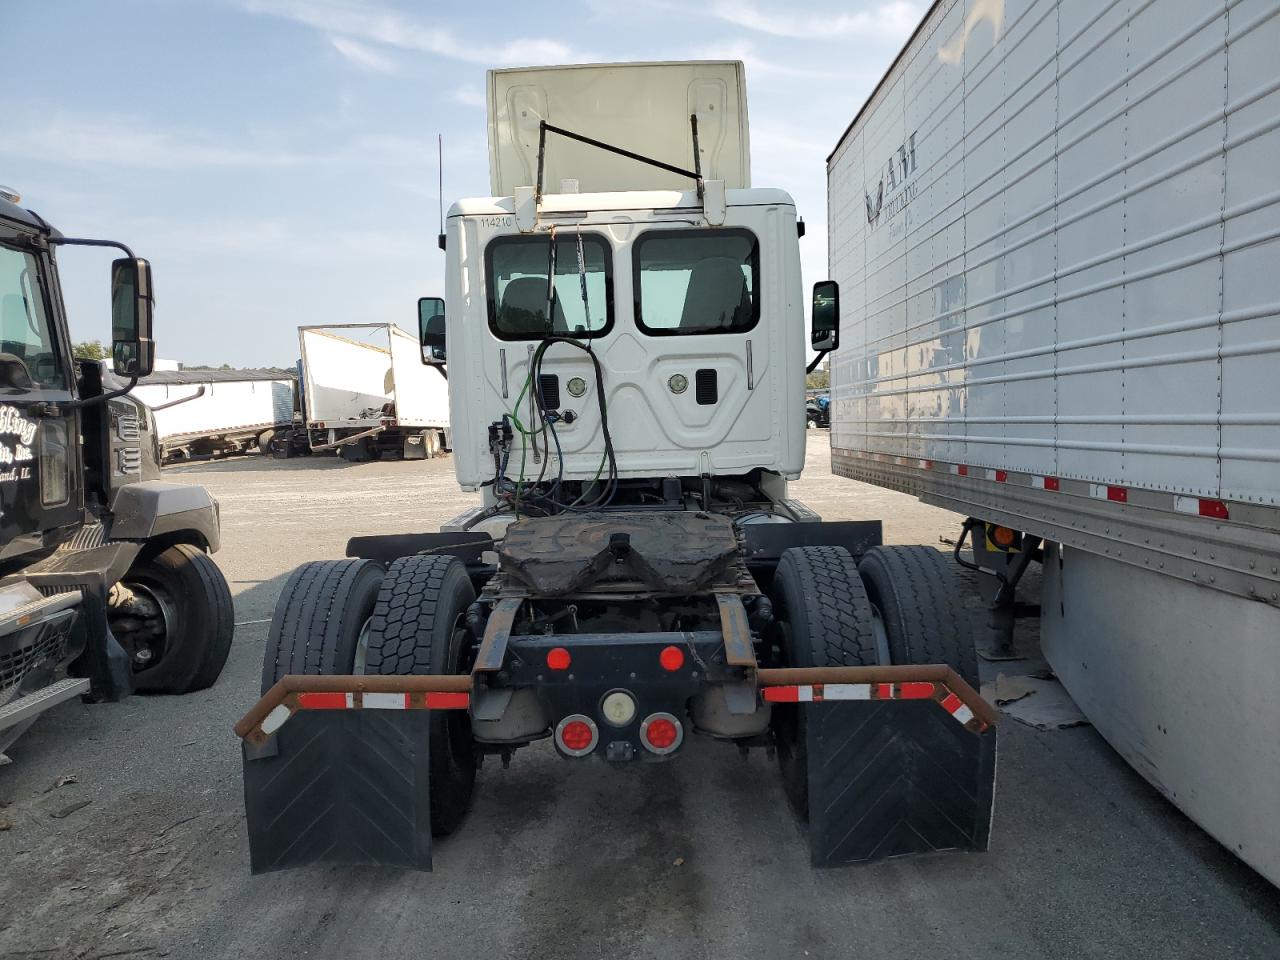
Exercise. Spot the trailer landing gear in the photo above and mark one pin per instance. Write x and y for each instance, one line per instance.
(999, 570)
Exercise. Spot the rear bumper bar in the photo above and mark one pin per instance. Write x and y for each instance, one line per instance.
(809, 685)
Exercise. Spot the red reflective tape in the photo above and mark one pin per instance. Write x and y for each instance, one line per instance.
(1118, 494)
(448, 701)
(1214, 508)
(322, 701)
(951, 703)
(962, 470)
(1002, 476)
(915, 690)
(1051, 483)
(884, 691)
(781, 694)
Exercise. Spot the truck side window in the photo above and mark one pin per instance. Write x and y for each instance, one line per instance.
(516, 286)
(696, 281)
(27, 355)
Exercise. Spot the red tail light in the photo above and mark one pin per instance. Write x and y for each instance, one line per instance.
(661, 733)
(671, 658)
(558, 659)
(577, 735)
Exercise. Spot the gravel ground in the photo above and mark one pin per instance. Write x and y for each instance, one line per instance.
(695, 858)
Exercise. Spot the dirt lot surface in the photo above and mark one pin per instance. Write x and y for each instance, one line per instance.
(144, 855)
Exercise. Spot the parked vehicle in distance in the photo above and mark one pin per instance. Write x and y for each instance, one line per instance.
(627, 312)
(218, 412)
(367, 394)
(106, 583)
(1056, 237)
(817, 410)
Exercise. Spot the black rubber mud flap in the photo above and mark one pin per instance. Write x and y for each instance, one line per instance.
(889, 778)
(340, 786)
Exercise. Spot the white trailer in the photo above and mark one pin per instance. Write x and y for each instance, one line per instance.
(214, 411)
(366, 392)
(1056, 229)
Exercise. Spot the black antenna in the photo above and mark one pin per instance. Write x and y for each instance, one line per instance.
(440, 184)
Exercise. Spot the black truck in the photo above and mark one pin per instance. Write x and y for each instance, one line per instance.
(106, 583)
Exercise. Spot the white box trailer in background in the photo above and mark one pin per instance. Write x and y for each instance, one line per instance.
(1056, 229)
(212, 412)
(366, 393)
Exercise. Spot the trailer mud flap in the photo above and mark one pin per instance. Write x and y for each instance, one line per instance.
(340, 786)
(889, 778)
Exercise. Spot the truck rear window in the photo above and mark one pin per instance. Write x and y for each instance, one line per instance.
(696, 281)
(516, 286)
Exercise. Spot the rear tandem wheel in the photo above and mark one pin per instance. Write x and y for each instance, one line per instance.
(418, 627)
(825, 620)
(320, 619)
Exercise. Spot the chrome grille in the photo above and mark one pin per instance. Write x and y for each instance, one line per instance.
(128, 460)
(127, 427)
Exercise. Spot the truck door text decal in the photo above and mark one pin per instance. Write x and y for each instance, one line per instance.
(17, 435)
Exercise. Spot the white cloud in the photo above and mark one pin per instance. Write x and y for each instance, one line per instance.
(469, 96)
(745, 51)
(125, 141)
(374, 24)
(362, 56)
(891, 21)
(128, 141)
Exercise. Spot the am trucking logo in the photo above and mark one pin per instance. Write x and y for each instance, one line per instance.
(17, 436)
(896, 188)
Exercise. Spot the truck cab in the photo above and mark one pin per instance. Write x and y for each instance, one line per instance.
(697, 326)
(105, 580)
(685, 284)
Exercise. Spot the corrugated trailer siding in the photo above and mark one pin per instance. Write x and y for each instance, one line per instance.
(1073, 266)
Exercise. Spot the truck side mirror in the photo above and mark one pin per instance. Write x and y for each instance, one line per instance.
(824, 318)
(133, 352)
(431, 329)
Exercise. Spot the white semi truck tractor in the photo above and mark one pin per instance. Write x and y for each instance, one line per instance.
(624, 326)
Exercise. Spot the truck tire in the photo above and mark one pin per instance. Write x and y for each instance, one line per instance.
(320, 618)
(177, 610)
(917, 600)
(266, 443)
(824, 620)
(418, 628)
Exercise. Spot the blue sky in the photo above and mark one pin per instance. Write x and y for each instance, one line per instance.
(276, 159)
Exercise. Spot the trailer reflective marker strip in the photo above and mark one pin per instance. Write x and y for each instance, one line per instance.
(918, 690)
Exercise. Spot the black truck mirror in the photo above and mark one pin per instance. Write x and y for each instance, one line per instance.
(133, 351)
(824, 318)
(431, 329)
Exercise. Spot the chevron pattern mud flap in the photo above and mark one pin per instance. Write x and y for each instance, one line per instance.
(888, 778)
(340, 786)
